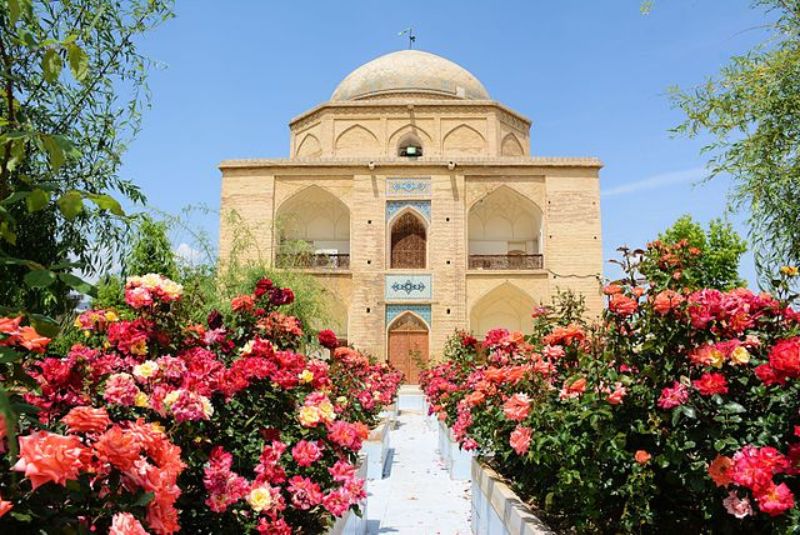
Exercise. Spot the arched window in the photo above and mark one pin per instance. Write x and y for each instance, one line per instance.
(409, 242)
(409, 147)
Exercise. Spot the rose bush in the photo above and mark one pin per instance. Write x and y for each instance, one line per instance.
(152, 423)
(676, 413)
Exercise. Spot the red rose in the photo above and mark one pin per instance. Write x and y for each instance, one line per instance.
(785, 357)
(327, 338)
(711, 383)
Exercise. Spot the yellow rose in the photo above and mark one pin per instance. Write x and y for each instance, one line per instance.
(145, 370)
(309, 416)
(208, 409)
(327, 410)
(172, 397)
(259, 499)
(77, 323)
(157, 427)
(111, 316)
(717, 358)
(790, 271)
(740, 355)
(139, 348)
(306, 376)
(142, 400)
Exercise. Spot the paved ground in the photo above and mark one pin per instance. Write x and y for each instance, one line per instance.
(417, 496)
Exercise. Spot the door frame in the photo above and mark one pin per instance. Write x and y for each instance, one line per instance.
(395, 319)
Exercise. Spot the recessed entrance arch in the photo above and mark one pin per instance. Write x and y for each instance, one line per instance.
(409, 244)
(505, 306)
(408, 345)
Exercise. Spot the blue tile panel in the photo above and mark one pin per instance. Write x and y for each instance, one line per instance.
(423, 311)
(408, 287)
(423, 207)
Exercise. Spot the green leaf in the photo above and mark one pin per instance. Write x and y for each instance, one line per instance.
(732, 407)
(8, 354)
(70, 204)
(40, 278)
(689, 412)
(13, 11)
(144, 499)
(54, 151)
(78, 61)
(106, 202)
(44, 325)
(51, 65)
(37, 199)
(76, 283)
(7, 233)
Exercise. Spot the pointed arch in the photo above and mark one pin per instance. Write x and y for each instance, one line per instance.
(408, 240)
(504, 306)
(406, 133)
(463, 140)
(408, 344)
(511, 146)
(504, 221)
(309, 147)
(356, 140)
(315, 224)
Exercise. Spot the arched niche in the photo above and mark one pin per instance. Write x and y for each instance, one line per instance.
(357, 141)
(505, 222)
(511, 146)
(505, 306)
(309, 147)
(408, 241)
(313, 226)
(463, 140)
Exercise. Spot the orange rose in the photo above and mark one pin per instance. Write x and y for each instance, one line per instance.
(87, 420)
(118, 447)
(720, 470)
(642, 457)
(28, 338)
(517, 407)
(126, 524)
(48, 457)
(474, 399)
(9, 325)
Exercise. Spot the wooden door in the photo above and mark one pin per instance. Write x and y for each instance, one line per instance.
(408, 346)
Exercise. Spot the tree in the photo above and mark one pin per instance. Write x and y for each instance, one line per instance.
(62, 137)
(152, 251)
(701, 258)
(752, 112)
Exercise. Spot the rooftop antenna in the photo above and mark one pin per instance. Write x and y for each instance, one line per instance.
(411, 37)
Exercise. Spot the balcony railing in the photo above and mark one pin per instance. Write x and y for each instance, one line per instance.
(506, 261)
(313, 260)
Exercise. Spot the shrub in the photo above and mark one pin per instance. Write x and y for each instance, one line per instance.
(156, 422)
(677, 413)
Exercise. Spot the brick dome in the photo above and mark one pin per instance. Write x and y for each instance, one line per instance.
(410, 72)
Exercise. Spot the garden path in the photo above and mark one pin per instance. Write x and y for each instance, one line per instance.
(417, 496)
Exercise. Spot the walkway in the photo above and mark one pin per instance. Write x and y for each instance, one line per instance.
(417, 496)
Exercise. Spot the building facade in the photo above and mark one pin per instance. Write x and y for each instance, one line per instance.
(414, 198)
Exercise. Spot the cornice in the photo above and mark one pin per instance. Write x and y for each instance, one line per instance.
(378, 163)
(400, 105)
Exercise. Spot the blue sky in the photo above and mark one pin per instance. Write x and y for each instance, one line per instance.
(593, 77)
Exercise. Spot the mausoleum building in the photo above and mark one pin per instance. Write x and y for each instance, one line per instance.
(414, 198)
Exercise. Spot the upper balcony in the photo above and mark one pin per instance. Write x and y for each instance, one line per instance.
(506, 261)
(313, 229)
(505, 232)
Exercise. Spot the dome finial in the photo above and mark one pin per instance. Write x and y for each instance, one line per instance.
(411, 37)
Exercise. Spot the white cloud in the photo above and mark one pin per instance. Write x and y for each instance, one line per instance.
(188, 254)
(657, 181)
